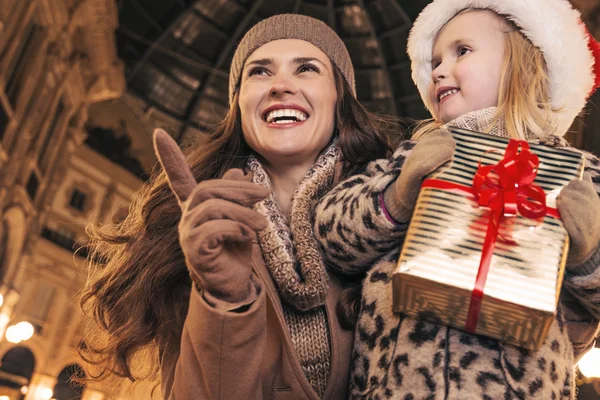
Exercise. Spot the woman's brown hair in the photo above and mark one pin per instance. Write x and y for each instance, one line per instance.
(138, 285)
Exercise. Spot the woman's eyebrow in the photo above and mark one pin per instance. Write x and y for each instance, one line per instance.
(261, 61)
(303, 60)
(298, 60)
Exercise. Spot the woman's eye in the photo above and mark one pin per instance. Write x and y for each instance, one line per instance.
(257, 71)
(307, 68)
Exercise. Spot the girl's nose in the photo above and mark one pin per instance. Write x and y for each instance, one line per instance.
(440, 72)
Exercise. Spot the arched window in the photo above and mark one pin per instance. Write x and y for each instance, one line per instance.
(17, 366)
(65, 388)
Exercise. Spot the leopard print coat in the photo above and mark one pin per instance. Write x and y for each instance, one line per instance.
(403, 358)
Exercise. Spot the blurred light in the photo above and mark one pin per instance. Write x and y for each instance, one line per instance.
(24, 389)
(589, 365)
(45, 393)
(4, 398)
(25, 330)
(12, 334)
(1, 302)
(19, 332)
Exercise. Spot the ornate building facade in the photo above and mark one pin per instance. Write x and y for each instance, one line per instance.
(57, 59)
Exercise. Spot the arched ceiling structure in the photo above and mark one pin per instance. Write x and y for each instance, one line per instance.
(178, 52)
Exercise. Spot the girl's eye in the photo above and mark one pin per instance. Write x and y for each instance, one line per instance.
(462, 50)
(257, 71)
(307, 68)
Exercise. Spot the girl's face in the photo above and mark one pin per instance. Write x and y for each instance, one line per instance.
(287, 101)
(467, 62)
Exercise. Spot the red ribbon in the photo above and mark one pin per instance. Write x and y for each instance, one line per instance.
(504, 188)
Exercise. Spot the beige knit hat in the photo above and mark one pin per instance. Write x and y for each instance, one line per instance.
(291, 26)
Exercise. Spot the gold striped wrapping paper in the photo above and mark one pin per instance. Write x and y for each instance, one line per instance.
(440, 258)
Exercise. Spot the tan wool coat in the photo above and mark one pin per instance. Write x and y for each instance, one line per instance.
(249, 355)
(270, 349)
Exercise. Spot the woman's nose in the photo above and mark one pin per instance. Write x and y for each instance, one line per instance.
(282, 85)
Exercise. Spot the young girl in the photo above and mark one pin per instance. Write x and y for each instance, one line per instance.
(511, 68)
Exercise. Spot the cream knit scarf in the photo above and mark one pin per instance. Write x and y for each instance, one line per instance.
(294, 261)
(291, 253)
(483, 121)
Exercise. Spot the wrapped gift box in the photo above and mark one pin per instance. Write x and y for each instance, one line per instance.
(485, 268)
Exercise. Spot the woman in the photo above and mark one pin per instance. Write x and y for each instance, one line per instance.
(258, 321)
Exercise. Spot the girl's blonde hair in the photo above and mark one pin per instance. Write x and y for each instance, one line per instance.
(524, 99)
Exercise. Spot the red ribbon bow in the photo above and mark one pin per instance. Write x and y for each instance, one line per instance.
(505, 188)
(508, 186)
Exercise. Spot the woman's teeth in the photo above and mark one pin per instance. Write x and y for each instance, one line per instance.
(285, 116)
(447, 93)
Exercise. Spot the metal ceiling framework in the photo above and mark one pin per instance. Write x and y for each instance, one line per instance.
(178, 52)
(231, 44)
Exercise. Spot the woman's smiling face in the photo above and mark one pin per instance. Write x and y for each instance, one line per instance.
(287, 101)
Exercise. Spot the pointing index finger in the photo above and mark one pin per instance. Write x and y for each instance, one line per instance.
(171, 158)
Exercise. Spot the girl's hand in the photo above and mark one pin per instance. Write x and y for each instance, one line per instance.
(431, 151)
(579, 207)
(217, 223)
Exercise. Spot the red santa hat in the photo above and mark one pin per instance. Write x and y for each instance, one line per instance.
(572, 55)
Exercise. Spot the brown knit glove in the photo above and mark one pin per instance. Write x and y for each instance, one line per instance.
(579, 207)
(217, 224)
(431, 151)
(582, 326)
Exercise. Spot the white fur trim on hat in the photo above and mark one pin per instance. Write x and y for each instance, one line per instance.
(552, 25)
